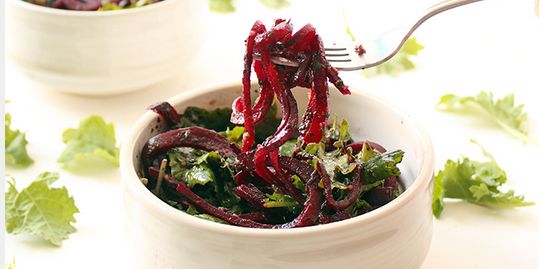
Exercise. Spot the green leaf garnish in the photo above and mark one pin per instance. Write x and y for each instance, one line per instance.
(217, 120)
(208, 170)
(503, 111)
(279, 200)
(224, 6)
(190, 165)
(475, 182)
(275, 4)
(40, 209)
(287, 149)
(234, 135)
(93, 138)
(15, 145)
(380, 166)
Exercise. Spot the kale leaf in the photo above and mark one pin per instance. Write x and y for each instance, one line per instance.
(503, 111)
(219, 121)
(475, 182)
(93, 138)
(381, 165)
(207, 172)
(224, 6)
(40, 209)
(15, 145)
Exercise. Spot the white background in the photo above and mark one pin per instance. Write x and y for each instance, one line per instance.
(491, 46)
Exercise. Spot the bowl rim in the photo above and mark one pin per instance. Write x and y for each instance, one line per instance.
(87, 13)
(131, 181)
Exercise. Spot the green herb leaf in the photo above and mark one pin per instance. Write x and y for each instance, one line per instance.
(40, 209)
(287, 149)
(234, 135)
(382, 165)
(275, 4)
(44, 2)
(189, 165)
(107, 6)
(279, 200)
(199, 174)
(15, 146)
(207, 170)
(438, 203)
(93, 138)
(399, 63)
(475, 182)
(217, 120)
(191, 210)
(224, 6)
(503, 111)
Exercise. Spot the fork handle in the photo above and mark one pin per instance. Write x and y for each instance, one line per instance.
(438, 8)
(428, 13)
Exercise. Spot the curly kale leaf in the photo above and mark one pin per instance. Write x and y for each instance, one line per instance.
(503, 111)
(40, 209)
(93, 138)
(15, 146)
(382, 165)
(208, 172)
(475, 182)
(217, 120)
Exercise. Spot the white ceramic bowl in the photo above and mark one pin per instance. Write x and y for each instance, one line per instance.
(397, 235)
(103, 53)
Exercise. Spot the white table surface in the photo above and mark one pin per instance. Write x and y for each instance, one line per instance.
(491, 46)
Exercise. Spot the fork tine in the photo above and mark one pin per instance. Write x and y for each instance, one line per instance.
(349, 57)
(339, 54)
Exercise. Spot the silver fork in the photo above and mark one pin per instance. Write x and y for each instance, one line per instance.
(349, 56)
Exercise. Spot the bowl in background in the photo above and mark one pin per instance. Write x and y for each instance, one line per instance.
(397, 235)
(103, 52)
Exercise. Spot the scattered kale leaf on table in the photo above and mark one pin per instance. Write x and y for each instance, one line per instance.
(40, 209)
(93, 138)
(15, 145)
(503, 111)
(475, 182)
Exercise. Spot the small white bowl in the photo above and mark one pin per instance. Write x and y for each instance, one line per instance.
(397, 235)
(103, 52)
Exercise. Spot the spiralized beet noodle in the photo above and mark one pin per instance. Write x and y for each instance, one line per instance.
(259, 169)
